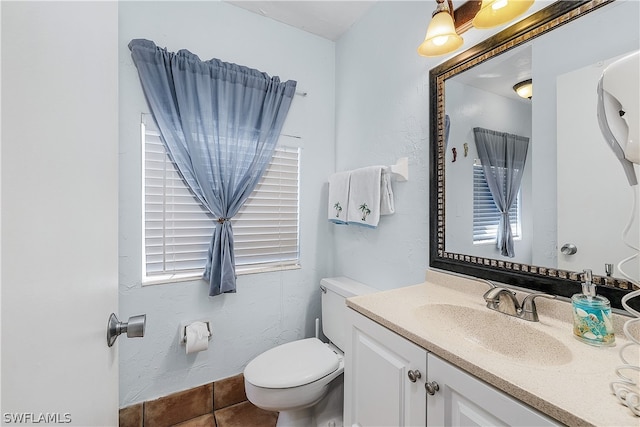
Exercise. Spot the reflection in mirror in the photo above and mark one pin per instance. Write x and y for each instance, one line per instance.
(483, 97)
(579, 147)
(573, 192)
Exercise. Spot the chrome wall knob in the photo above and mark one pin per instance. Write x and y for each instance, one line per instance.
(569, 249)
(414, 375)
(431, 387)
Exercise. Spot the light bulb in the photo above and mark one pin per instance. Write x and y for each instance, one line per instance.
(441, 36)
(498, 12)
(439, 41)
(499, 4)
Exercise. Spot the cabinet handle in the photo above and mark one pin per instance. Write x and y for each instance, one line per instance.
(414, 375)
(431, 387)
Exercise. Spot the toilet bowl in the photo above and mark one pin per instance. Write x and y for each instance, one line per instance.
(302, 380)
(294, 376)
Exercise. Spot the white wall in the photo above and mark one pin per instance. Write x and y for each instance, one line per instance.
(268, 309)
(470, 107)
(382, 113)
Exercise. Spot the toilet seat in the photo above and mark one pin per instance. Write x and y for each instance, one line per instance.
(292, 365)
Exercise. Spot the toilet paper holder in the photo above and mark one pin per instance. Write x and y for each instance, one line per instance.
(182, 338)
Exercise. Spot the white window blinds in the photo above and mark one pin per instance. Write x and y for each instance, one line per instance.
(486, 216)
(178, 229)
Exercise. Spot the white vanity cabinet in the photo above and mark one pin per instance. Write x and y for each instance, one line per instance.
(384, 385)
(384, 376)
(463, 400)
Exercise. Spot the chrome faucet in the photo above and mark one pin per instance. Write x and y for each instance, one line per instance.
(528, 311)
(504, 301)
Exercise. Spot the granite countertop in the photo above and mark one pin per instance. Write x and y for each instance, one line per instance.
(571, 386)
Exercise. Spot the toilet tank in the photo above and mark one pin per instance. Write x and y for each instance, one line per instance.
(335, 291)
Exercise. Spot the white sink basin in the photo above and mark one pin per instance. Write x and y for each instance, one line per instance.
(497, 332)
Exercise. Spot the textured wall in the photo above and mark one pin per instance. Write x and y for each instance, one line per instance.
(368, 104)
(382, 113)
(268, 309)
(382, 109)
(382, 89)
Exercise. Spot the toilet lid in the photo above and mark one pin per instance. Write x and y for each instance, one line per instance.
(293, 364)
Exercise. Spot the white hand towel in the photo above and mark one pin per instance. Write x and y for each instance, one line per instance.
(387, 205)
(339, 197)
(364, 196)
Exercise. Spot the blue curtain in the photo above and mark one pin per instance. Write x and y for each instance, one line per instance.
(503, 158)
(447, 128)
(220, 123)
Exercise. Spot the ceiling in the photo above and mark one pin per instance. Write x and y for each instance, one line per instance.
(501, 73)
(327, 19)
(330, 19)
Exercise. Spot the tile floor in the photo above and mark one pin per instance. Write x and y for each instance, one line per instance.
(219, 404)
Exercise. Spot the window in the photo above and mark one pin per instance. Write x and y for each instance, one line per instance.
(178, 229)
(486, 216)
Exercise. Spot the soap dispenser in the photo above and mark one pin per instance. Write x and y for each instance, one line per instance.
(592, 315)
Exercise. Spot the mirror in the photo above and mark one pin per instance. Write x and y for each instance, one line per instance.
(573, 192)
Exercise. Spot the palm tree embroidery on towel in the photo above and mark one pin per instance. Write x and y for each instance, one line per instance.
(338, 209)
(365, 211)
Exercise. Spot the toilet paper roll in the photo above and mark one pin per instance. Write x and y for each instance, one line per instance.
(197, 337)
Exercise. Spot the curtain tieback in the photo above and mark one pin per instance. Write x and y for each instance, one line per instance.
(222, 220)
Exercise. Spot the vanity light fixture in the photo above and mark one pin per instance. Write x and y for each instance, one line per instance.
(524, 88)
(441, 35)
(497, 12)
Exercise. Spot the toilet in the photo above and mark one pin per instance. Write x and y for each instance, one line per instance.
(303, 380)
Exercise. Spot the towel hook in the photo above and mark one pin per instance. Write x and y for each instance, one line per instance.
(400, 170)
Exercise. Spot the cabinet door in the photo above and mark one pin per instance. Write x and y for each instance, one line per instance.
(378, 388)
(463, 400)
